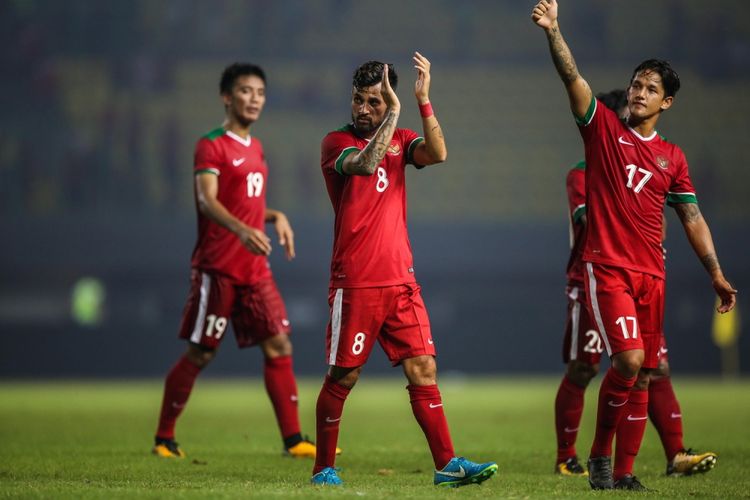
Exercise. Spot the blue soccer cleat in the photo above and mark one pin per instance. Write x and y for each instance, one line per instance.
(326, 477)
(459, 472)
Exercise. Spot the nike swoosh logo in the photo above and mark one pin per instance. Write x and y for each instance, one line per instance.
(623, 141)
(635, 419)
(332, 420)
(571, 430)
(616, 405)
(676, 415)
(662, 350)
(435, 406)
(461, 472)
(239, 162)
(429, 341)
(177, 405)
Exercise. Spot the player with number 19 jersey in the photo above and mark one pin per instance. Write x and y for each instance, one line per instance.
(371, 245)
(241, 166)
(628, 179)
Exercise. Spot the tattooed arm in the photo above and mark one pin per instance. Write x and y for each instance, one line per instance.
(432, 150)
(700, 239)
(579, 92)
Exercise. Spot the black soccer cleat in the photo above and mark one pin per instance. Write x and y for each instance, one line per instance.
(600, 473)
(629, 482)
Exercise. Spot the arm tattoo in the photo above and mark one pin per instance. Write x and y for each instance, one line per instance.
(562, 57)
(688, 212)
(710, 262)
(367, 160)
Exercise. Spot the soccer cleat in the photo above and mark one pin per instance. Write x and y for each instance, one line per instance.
(459, 472)
(687, 462)
(326, 477)
(629, 482)
(571, 467)
(600, 473)
(304, 449)
(167, 448)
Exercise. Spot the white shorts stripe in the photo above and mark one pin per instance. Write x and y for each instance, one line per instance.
(202, 306)
(575, 324)
(595, 307)
(335, 325)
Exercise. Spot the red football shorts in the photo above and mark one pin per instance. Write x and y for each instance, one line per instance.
(395, 316)
(582, 341)
(257, 311)
(628, 309)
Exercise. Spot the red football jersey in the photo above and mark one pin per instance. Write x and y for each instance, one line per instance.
(576, 187)
(371, 244)
(628, 179)
(242, 172)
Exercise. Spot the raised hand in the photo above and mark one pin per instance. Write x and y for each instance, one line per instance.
(544, 14)
(389, 95)
(422, 85)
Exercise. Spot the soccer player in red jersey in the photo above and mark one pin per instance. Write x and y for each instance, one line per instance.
(582, 349)
(231, 277)
(630, 173)
(374, 296)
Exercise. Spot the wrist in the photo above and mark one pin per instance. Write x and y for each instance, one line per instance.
(552, 27)
(425, 109)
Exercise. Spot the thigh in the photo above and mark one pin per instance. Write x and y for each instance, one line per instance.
(259, 313)
(610, 296)
(650, 311)
(356, 317)
(208, 307)
(406, 330)
(582, 341)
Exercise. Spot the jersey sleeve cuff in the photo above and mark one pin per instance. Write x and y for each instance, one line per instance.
(339, 164)
(586, 119)
(207, 170)
(677, 198)
(579, 212)
(410, 151)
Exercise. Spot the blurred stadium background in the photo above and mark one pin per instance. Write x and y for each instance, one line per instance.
(102, 103)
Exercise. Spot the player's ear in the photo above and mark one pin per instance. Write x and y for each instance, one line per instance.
(666, 103)
(226, 99)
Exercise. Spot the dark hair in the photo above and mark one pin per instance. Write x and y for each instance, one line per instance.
(669, 77)
(236, 70)
(371, 73)
(614, 99)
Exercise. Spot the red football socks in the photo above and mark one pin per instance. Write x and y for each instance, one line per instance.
(630, 433)
(328, 417)
(282, 390)
(428, 410)
(665, 414)
(613, 398)
(177, 388)
(568, 410)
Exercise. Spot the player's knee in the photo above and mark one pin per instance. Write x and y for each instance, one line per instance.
(661, 371)
(641, 383)
(278, 345)
(345, 376)
(421, 370)
(200, 356)
(581, 373)
(628, 363)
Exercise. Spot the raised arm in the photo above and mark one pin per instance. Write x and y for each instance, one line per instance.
(579, 92)
(433, 149)
(366, 161)
(700, 239)
(206, 188)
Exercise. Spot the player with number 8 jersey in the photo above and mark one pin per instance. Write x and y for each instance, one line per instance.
(374, 297)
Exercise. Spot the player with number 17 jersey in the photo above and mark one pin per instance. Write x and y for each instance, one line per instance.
(240, 165)
(628, 179)
(371, 245)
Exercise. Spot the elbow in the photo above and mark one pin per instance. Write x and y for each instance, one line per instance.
(203, 205)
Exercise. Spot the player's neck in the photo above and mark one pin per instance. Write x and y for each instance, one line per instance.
(239, 129)
(644, 127)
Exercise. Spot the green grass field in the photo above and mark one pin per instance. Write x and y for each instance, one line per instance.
(93, 439)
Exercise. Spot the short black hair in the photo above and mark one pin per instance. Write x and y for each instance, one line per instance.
(669, 77)
(614, 99)
(236, 70)
(371, 73)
